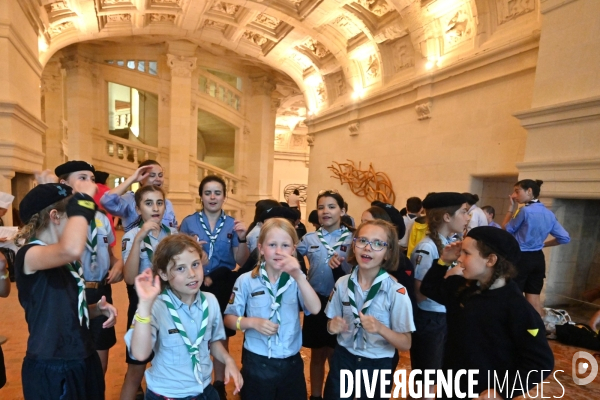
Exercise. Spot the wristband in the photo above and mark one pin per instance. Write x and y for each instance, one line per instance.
(241, 241)
(443, 264)
(238, 324)
(81, 205)
(141, 320)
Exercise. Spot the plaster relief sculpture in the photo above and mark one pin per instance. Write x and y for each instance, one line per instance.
(353, 128)
(162, 17)
(364, 183)
(181, 66)
(60, 28)
(310, 140)
(118, 18)
(217, 25)
(458, 27)
(300, 187)
(226, 8)
(372, 70)
(296, 3)
(267, 20)
(403, 55)
(316, 48)
(512, 9)
(59, 6)
(255, 38)
(390, 32)
(348, 28)
(301, 59)
(340, 83)
(377, 7)
(423, 111)
(321, 94)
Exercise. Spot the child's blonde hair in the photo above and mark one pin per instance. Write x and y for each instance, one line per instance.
(393, 250)
(269, 224)
(170, 247)
(39, 222)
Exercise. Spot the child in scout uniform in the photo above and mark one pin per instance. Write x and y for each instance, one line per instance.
(332, 239)
(120, 203)
(491, 326)
(531, 225)
(446, 216)
(264, 304)
(100, 267)
(138, 248)
(224, 240)
(60, 362)
(370, 313)
(180, 324)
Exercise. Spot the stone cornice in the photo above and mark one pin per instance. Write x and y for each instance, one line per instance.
(7, 31)
(24, 155)
(14, 110)
(577, 110)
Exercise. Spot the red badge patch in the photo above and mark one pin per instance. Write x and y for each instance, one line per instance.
(232, 298)
(409, 273)
(401, 290)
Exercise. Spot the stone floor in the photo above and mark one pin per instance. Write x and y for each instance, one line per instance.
(13, 326)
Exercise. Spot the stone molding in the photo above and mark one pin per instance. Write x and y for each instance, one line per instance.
(560, 113)
(550, 5)
(8, 31)
(14, 110)
(181, 66)
(27, 159)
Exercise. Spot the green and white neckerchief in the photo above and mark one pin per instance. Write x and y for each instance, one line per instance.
(92, 244)
(147, 244)
(330, 250)
(211, 237)
(381, 276)
(193, 349)
(76, 270)
(284, 284)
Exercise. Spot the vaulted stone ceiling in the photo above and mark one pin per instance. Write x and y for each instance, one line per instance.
(331, 49)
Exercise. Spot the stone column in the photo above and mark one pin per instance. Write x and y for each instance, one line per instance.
(81, 104)
(5, 186)
(178, 169)
(261, 112)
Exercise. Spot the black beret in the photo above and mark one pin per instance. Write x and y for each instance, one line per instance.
(41, 197)
(101, 176)
(443, 199)
(279, 212)
(500, 241)
(73, 166)
(394, 215)
(313, 217)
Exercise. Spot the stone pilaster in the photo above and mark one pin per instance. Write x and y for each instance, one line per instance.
(53, 113)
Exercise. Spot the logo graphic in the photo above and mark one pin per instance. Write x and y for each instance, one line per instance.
(579, 367)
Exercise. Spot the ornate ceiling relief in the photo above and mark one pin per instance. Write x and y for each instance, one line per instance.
(346, 26)
(56, 30)
(300, 59)
(215, 24)
(255, 38)
(267, 20)
(511, 9)
(59, 11)
(225, 8)
(372, 67)
(316, 48)
(457, 26)
(161, 17)
(321, 95)
(377, 7)
(118, 18)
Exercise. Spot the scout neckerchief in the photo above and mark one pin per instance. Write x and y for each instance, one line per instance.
(76, 270)
(92, 244)
(381, 276)
(193, 349)
(147, 245)
(212, 238)
(341, 240)
(284, 283)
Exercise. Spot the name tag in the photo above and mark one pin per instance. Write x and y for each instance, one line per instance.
(257, 293)
(345, 303)
(174, 330)
(314, 247)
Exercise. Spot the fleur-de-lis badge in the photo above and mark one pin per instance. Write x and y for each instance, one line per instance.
(62, 191)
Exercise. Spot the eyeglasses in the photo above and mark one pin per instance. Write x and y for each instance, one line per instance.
(376, 245)
(329, 191)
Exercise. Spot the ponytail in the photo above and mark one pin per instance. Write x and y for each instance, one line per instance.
(534, 185)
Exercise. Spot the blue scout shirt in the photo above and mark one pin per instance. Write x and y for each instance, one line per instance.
(223, 250)
(494, 224)
(252, 237)
(391, 306)
(124, 207)
(171, 373)
(127, 243)
(320, 275)
(105, 237)
(250, 298)
(532, 224)
(422, 258)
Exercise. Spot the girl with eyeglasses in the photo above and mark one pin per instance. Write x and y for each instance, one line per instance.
(332, 239)
(370, 312)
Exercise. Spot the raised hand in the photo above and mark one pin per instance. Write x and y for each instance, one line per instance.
(369, 323)
(45, 176)
(147, 287)
(109, 311)
(141, 173)
(338, 325)
(239, 227)
(335, 261)
(85, 186)
(451, 252)
(148, 227)
(289, 264)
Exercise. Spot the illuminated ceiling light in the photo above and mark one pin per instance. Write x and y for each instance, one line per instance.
(42, 44)
(313, 80)
(429, 65)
